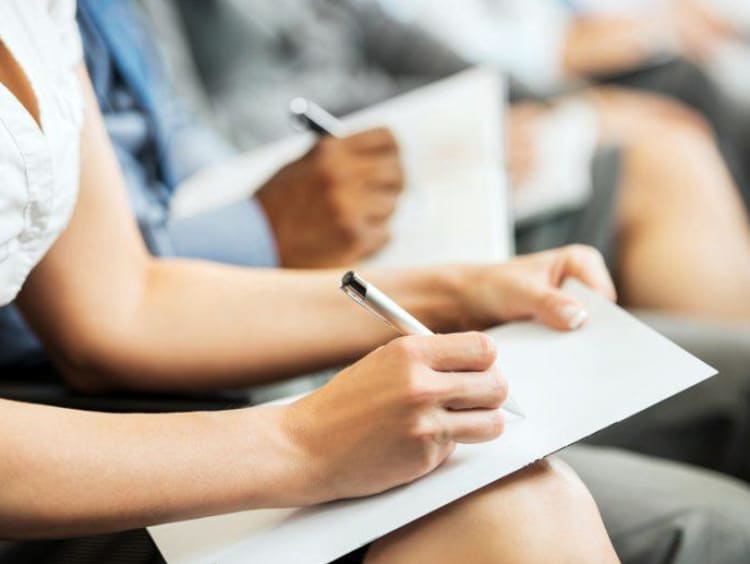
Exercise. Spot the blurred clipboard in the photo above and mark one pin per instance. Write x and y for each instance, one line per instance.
(454, 207)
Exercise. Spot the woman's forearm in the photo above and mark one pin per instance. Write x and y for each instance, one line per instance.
(67, 473)
(203, 326)
(114, 317)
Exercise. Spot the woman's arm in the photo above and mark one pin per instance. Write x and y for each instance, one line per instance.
(385, 421)
(112, 316)
(67, 472)
(103, 306)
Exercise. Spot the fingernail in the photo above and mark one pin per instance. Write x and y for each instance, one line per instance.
(574, 315)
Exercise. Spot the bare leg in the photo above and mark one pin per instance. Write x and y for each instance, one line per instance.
(540, 514)
(685, 240)
(684, 235)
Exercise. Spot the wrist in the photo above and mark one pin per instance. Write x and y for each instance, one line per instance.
(440, 297)
(279, 471)
(308, 466)
(479, 297)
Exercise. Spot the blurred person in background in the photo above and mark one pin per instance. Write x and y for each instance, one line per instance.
(694, 50)
(564, 40)
(615, 151)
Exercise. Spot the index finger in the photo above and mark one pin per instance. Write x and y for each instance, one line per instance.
(458, 352)
(587, 265)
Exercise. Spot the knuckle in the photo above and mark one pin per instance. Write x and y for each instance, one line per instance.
(404, 350)
(427, 433)
(584, 251)
(485, 345)
(347, 231)
(326, 147)
(419, 390)
(548, 300)
(327, 173)
(576, 248)
(422, 428)
(384, 134)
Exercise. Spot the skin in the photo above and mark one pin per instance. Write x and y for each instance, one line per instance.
(520, 507)
(600, 45)
(608, 44)
(115, 317)
(127, 327)
(708, 273)
(333, 206)
(672, 174)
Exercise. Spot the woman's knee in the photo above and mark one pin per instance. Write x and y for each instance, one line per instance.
(628, 116)
(565, 521)
(552, 489)
(542, 513)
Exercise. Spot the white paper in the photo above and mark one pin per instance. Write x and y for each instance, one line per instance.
(570, 384)
(454, 206)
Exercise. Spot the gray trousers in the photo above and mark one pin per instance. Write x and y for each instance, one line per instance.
(662, 512)
(709, 424)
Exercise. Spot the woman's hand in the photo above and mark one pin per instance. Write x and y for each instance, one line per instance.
(397, 414)
(529, 287)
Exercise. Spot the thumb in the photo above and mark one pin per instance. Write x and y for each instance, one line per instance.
(556, 310)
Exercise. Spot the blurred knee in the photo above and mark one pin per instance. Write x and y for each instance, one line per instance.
(671, 117)
(551, 496)
(556, 489)
(542, 513)
(629, 116)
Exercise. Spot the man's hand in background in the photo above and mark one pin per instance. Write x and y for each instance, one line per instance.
(332, 207)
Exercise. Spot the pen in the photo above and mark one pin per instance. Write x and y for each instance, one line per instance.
(392, 314)
(310, 116)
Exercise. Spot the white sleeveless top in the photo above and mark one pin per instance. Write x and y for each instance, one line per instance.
(39, 168)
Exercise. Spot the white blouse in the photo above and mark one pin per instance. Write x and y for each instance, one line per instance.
(39, 168)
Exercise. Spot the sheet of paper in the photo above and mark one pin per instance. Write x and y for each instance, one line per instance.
(570, 384)
(454, 206)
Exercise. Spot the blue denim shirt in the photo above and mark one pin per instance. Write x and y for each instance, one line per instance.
(158, 144)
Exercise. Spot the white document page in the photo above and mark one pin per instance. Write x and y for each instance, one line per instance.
(570, 385)
(454, 206)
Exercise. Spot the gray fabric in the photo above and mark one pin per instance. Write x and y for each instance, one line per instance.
(709, 424)
(660, 512)
(254, 56)
(592, 224)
